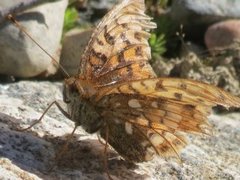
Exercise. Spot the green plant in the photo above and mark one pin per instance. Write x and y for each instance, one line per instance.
(157, 43)
(163, 3)
(158, 9)
(70, 19)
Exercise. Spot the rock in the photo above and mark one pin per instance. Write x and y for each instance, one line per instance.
(191, 47)
(223, 35)
(102, 5)
(74, 43)
(163, 67)
(222, 72)
(19, 56)
(29, 154)
(197, 15)
(94, 10)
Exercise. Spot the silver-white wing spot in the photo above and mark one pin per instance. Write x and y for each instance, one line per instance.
(134, 103)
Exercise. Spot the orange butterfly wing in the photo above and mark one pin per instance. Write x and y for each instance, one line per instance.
(154, 112)
(142, 114)
(118, 49)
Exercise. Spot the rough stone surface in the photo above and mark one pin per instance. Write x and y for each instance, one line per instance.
(94, 10)
(223, 35)
(29, 154)
(19, 56)
(197, 15)
(73, 45)
(213, 8)
(220, 71)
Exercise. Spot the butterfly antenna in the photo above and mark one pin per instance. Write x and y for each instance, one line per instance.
(17, 24)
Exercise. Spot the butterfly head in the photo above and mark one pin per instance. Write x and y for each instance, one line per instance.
(82, 85)
(82, 110)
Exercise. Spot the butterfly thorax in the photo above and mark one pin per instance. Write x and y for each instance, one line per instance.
(80, 105)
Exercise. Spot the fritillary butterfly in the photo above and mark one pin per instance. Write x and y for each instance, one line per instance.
(117, 91)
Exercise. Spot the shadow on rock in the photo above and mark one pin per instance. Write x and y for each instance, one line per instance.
(36, 155)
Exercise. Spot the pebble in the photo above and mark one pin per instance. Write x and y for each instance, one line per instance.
(222, 35)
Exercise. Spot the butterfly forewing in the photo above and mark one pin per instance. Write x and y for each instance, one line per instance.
(119, 48)
(181, 90)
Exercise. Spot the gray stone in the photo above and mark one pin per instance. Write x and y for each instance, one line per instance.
(104, 5)
(28, 155)
(19, 56)
(222, 72)
(222, 35)
(74, 43)
(94, 10)
(197, 15)
(182, 9)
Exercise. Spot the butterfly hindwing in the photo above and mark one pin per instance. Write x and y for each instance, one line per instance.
(164, 108)
(146, 125)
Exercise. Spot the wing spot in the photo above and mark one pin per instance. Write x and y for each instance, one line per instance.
(189, 107)
(99, 55)
(134, 103)
(161, 120)
(178, 96)
(130, 72)
(121, 57)
(117, 121)
(154, 104)
(119, 90)
(117, 104)
(130, 87)
(124, 38)
(145, 144)
(159, 86)
(138, 51)
(128, 128)
(164, 148)
(124, 25)
(143, 84)
(108, 37)
(137, 36)
(100, 42)
(183, 86)
(156, 139)
(141, 65)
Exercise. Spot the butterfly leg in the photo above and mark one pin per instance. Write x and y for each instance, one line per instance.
(100, 141)
(64, 112)
(106, 153)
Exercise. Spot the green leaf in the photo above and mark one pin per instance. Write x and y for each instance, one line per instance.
(157, 44)
(70, 19)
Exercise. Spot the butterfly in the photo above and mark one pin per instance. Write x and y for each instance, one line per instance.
(117, 94)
